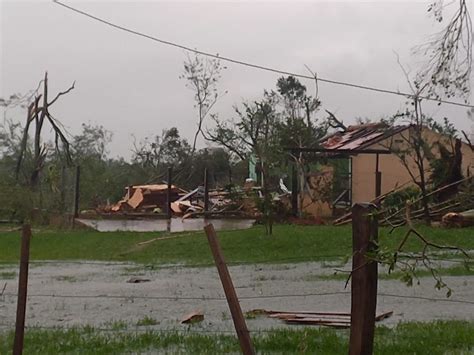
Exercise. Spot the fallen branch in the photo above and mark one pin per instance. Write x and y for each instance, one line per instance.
(424, 258)
(164, 238)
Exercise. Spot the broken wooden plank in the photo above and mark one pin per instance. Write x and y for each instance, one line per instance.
(175, 207)
(193, 317)
(383, 316)
(313, 313)
(309, 321)
(306, 315)
(330, 319)
(137, 280)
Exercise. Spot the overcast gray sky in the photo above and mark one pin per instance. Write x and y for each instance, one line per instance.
(131, 85)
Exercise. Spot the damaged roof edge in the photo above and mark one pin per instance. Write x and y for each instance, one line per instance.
(361, 137)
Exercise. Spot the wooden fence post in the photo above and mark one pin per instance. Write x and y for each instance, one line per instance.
(206, 190)
(77, 191)
(378, 178)
(294, 190)
(22, 290)
(168, 193)
(364, 280)
(232, 300)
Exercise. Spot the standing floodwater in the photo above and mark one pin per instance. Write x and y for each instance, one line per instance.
(158, 225)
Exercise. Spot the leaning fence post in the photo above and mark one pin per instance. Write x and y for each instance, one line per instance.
(22, 290)
(364, 280)
(232, 300)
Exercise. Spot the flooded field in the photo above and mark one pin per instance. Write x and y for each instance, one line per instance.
(161, 225)
(100, 294)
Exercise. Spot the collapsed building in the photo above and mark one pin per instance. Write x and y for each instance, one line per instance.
(146, 198)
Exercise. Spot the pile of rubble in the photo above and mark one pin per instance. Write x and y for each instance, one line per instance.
(148, 200)
(152, 199)
(144, 198)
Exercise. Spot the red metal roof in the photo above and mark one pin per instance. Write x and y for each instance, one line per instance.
(361, 136)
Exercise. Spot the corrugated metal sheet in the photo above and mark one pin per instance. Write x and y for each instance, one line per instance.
(361, 136)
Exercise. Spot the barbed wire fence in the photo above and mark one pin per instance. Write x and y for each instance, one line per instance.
(363, 272)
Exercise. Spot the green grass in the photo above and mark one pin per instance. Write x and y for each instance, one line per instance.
(147, 321)
(117, 325)
(288, 244)
(65, 278)
(7, 275)
(436, 338)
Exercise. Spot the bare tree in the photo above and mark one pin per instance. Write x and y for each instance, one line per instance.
(448, 53)
(414, 153)
(470, 115)
(446, 73)
(202, 75)
(38, 113)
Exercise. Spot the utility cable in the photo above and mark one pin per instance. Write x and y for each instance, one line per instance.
(256, 66)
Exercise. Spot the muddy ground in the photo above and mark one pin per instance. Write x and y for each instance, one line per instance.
(175, 291)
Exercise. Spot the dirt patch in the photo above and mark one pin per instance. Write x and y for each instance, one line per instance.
(98, 294)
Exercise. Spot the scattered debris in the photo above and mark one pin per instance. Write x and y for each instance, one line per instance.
(329, 319)
(460, 203)
(151, 201)
(383, 316)
(461, 219)
(254, 313)
(193, 317)
(137, 280)
(145, 198)
(167, 237)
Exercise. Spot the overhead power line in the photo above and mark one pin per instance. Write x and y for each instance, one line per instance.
(256, 66)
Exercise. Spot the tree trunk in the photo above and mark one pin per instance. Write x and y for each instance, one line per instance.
(267, 201)
(424, 202)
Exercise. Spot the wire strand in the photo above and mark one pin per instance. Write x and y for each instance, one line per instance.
(178, 298)
(137, 330)
(256, 66)
(205, 298)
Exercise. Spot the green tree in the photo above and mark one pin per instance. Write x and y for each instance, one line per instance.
(254, 131)
(298, 127)
(92, 142)
(168, 149)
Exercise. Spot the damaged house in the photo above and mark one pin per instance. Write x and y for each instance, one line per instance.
(355, 178)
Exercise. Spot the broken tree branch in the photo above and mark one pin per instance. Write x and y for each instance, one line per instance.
(334, 122)
(62, 93)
